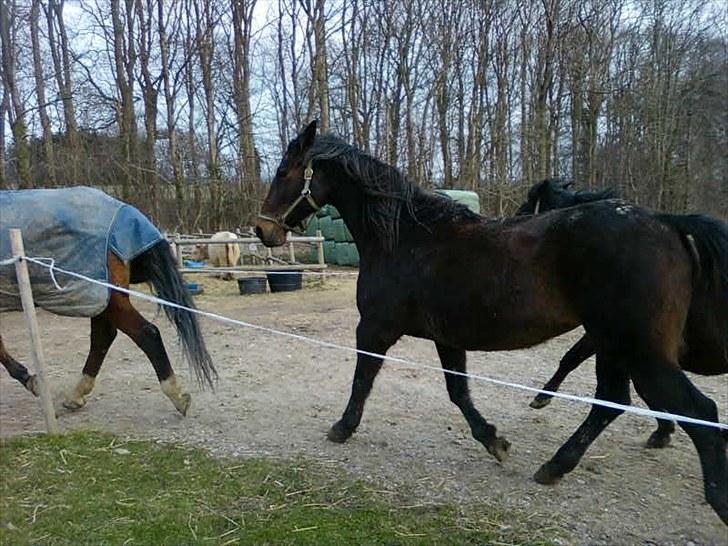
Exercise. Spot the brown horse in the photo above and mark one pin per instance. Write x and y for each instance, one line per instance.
(156, 267)
(432, 269)
(706, 327)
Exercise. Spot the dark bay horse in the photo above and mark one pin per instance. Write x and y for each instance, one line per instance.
(432, 269)
(706, 328)
(157, 267)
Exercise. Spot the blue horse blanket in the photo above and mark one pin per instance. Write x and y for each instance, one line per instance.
(77, 228)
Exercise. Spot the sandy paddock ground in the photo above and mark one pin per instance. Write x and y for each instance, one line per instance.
(278, 396)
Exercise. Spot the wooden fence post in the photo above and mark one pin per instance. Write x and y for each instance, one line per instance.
(320, 253)
(26, 297)
(180, 261)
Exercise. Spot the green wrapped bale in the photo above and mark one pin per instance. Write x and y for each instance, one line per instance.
(330, 252)
(326, 225)
(347, 254)
(333, 212)
(341, 232)
(313, 226)
(354, 254)
(328, 210)
(468, 198)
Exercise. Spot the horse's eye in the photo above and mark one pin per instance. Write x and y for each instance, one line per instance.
(281, 173)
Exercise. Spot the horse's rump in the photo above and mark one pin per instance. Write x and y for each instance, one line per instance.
(77, 228)
(706, 332)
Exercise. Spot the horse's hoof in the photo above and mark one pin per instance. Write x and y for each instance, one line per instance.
(499, 449)
(184, 403)
(74, 404)
(338, 433)
(32, 385)
(545, 476)
(657, 441)
(540, 401)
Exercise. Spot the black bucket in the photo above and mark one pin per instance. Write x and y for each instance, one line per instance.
(251, 285)
(284, 281)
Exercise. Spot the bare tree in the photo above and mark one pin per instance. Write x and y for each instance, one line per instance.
(166, 25)
(60, 54)
(249, 172)
(39, 76)
(9, 22)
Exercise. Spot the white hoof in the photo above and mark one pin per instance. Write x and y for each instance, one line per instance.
(32, 385)
(181, 400)
(77, 398)
(183, 403)
(74, 403)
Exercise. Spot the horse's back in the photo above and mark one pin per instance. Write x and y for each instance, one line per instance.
(76, 228)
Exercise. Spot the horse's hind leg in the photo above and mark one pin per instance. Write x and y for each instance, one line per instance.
(373, 340)
(103, 334)
(665, 386)
(661, 436)
(17, 370)
(612, 385)
(457, 387)
(583, 349)
(146, 335)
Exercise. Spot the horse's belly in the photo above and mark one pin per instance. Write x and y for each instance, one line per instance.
(491, 330)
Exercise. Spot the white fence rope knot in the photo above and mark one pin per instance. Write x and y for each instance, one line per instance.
(221, 318)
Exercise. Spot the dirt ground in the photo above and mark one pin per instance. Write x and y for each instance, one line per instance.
(278, 396)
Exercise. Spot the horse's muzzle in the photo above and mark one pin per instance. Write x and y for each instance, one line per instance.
(269, 232)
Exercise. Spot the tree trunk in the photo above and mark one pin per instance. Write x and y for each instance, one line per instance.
(8, 28)
(39, 77)
(62, 68)
(249, 169)
(123, 67)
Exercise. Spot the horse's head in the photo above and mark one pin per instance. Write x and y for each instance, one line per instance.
(546, 195)
(295, 192)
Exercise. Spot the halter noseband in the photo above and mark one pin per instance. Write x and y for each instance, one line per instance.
(305, 195)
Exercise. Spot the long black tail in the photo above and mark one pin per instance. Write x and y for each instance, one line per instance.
(167, 284)
(711, 240)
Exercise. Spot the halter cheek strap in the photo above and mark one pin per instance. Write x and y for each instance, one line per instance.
(304, 195)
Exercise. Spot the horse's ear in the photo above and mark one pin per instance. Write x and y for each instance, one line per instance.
(308, 135)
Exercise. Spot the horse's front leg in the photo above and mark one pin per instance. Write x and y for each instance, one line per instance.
(17, 371)
(370, 338)
(103, 334)
(457, 387)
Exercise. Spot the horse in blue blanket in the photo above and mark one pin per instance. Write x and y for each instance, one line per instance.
(88, 232)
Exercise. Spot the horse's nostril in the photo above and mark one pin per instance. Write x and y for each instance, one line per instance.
(258, 232)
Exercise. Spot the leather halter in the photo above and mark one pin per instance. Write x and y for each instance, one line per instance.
(304, 196)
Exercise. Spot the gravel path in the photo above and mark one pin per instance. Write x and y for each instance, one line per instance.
(277, 397)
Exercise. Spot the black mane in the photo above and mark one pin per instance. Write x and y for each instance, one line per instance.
(391, 200)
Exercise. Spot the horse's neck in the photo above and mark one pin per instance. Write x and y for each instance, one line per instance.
(423, 220)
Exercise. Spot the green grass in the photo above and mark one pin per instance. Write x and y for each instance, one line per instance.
(91, 488)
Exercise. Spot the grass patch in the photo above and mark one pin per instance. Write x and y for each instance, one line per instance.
(92, 488)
